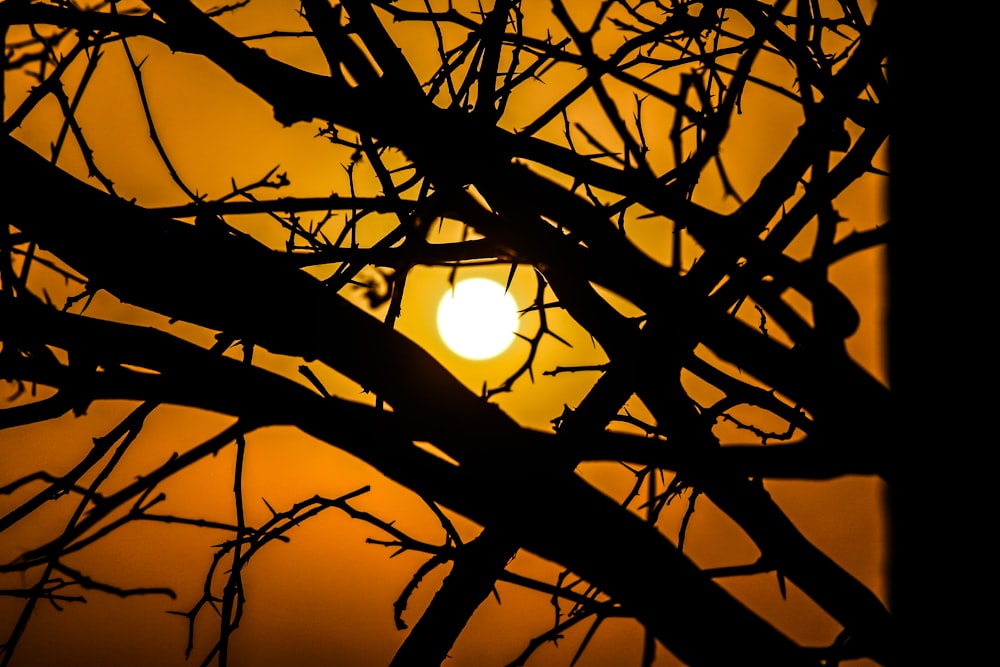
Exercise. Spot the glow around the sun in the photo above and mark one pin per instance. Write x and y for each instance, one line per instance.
(478, 319)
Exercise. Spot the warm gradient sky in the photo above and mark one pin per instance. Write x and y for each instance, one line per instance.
(326, 597)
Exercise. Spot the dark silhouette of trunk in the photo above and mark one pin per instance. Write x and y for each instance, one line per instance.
(741, 317)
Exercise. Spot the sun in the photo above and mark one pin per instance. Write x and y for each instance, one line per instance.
(477, 319)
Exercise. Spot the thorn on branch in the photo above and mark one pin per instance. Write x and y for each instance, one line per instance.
(763, 320)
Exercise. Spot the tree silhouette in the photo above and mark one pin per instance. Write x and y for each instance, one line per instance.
(585, 149)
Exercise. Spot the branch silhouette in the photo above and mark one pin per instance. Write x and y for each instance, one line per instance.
(630, 132)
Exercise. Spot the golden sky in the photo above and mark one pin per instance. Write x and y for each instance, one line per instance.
(326, 596)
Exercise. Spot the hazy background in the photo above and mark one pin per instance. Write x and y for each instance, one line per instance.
(326, 597)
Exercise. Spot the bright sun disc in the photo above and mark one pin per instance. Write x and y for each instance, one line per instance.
(478, 319)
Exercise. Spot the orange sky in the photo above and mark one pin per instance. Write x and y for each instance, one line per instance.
(326, 597)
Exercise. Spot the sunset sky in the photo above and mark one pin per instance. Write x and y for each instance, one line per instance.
(326, 596)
